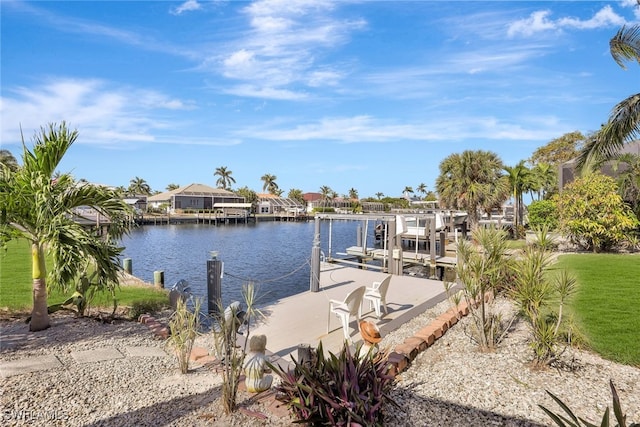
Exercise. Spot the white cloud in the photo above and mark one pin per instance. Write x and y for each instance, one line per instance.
(187, 6)
(282, 48)
(367, 129)
(540, 21)
(104, 114)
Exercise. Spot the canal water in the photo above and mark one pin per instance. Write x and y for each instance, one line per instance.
(275, 256)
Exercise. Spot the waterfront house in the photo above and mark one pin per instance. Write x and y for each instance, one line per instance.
(272, 204)
(197, 198)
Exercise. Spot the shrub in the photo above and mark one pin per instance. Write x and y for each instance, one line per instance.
(144, 307)
(344, 389)
(184, 326)
(543, 212)
(483, 270)
(593, 214)
(533, 292)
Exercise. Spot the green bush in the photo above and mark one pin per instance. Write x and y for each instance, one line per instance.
(145, 306)
(344, 389)
(543, 213)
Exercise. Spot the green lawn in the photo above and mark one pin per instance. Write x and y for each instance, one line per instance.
(15, 285)
(607, 301)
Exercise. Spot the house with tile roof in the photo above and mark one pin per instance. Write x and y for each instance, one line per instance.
(198, 197)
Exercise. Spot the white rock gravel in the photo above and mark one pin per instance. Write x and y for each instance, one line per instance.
(449, 384)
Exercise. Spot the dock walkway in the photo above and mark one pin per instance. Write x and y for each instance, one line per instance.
(304, 318)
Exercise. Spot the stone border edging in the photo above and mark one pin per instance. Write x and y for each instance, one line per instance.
(403, 354)
(158, 329)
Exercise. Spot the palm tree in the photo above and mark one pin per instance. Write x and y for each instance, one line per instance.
(269, 183)
(518, 177)
(544, 180)
(422, 189)
(138, 186)
(407, 191)
(472, 181)
(225, 179)
(41, 210)
(297, 195)
(353, 194)
(326, 193)
(379, 195)
(629, 179)
(623, 124)
(171, 187)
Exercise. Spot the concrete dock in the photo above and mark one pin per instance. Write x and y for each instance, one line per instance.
(305, 318)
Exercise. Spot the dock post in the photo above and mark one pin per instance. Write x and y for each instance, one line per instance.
(158, 279)
(214, 283)
(127, 265)
(314, 280)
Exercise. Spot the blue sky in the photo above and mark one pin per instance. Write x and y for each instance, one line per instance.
(370, 95)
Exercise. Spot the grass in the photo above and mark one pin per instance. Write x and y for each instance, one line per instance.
(606, 303)
(15, 285)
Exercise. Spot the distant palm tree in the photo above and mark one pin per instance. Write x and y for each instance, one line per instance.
(473, 182)
(353, 194)
(171, 187)
(269, 183)
(422, 189)
(139, 186)
(297, 195)
(326, 194)
(379, 195)
(518, 177)
(624, 121)
(407, 191)
(544, 180)
(225, 179)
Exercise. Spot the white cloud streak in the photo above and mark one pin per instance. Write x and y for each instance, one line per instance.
(107, 115)
(187, 6)
(367, 129)
(540, 21)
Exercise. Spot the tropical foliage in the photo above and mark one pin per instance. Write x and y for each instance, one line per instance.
(559, 150)
(543, 213)
(483, 268)
(472, 181)
(225, 179)
(534, 290)
(348, 389)
(570, 419)
(41, 209)
(519, 179)
(623, 124)
(592, 213)
(138, 186)
(269, 183)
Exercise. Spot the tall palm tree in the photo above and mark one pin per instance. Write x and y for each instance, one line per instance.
(326, 194)
(422, 189)
(623, 124)
(518, 177)
(41, 210)
(472, 181)
(353, 194)
(407, 191)
(379, 195)
(139, 186)
(225, 179)
(544, 180)
(269, 183)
